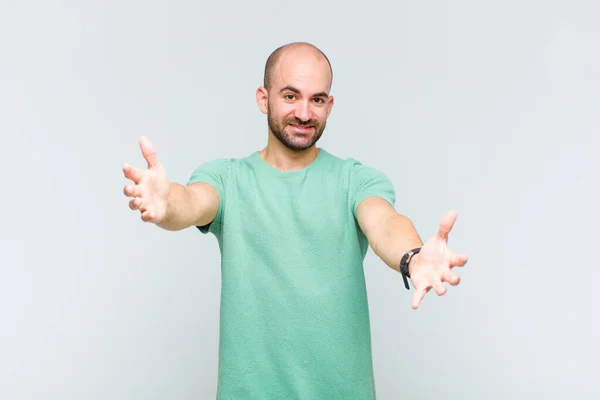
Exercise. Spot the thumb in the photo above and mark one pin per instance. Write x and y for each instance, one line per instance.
(148, 152)
(446, 225)
(418, 297)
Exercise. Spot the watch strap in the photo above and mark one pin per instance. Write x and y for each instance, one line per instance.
(404, 265)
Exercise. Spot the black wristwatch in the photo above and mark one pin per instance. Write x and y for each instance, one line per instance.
(404, 265)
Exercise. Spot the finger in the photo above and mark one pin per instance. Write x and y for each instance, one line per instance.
(135, 203)
(458, 260)
(418, 297)
(148, 152)
(439, 288)
(131, 191)
(148, 216)
(446, 225)
(132, 173)
(451, 278)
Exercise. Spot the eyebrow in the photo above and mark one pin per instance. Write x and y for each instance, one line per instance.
(296, 90)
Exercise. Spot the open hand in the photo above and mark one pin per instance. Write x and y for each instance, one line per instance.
(150, 191)
(432, 266)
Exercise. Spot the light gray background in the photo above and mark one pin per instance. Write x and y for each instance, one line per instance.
(487, 107)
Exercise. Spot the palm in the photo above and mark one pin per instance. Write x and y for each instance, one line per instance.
(433, 265)
(150, 190)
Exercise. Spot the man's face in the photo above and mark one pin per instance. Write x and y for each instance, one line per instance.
(298, 101)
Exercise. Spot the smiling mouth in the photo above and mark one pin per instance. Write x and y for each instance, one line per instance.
(302, 127)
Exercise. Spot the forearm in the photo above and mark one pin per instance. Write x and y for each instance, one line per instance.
(185, 208)
(398, 235)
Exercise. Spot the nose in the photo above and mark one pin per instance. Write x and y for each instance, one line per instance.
(303, 111)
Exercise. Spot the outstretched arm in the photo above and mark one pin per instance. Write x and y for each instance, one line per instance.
(170, 206)
(391, 235)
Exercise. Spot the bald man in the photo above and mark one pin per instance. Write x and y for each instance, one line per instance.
(294, 223)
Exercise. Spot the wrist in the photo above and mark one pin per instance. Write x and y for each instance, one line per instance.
(412, 263)
(406, 263)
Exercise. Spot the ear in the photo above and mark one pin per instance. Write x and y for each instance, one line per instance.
(262, 99)
(329, 106)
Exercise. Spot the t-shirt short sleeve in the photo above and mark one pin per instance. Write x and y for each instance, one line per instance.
(213, 173)
(369, 182)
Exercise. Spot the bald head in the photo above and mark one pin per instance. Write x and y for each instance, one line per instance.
(292, 52)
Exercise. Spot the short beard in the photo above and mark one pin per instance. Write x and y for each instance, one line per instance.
(287, 140)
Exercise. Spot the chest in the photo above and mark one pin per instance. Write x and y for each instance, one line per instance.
(308, 212)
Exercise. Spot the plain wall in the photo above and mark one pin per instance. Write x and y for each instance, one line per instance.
(489, 108)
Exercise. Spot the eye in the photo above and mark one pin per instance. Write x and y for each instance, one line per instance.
(289, 96)
(319, 100)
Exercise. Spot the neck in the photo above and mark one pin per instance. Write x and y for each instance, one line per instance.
(284, 159)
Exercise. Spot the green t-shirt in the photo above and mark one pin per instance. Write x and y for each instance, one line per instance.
(294, 318)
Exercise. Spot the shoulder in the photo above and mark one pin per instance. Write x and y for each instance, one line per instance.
(223, 164)
(353, 166)
(346, 163)
(217, 170)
